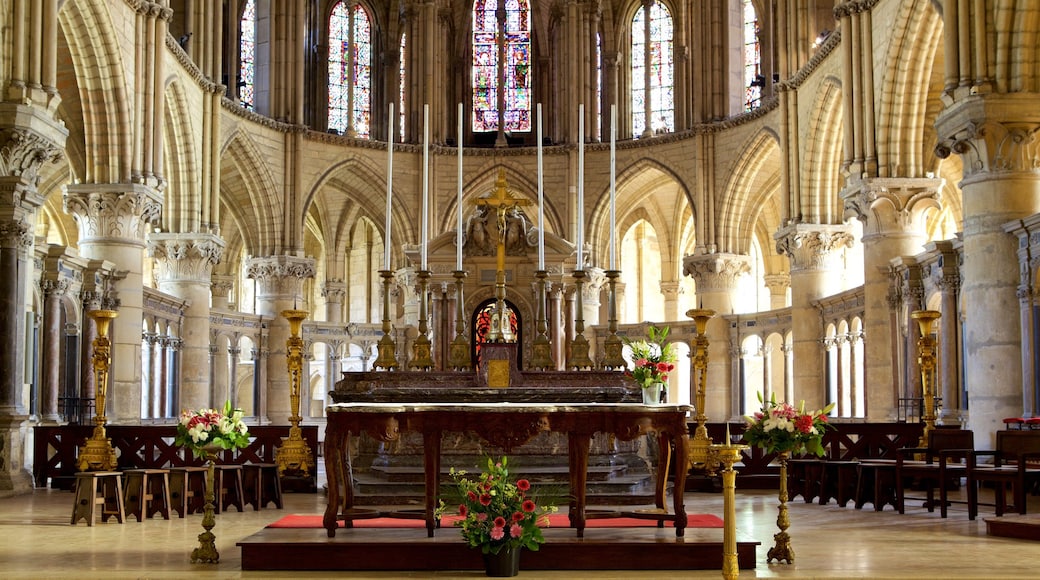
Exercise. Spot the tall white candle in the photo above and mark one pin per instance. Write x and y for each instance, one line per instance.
(580, 263)
(458, 201)
(613, 196)
(425, 187)
(541, 196)
(389, 184)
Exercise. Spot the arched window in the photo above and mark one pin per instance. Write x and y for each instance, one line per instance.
(350, 70)
(599, 79)
(652, 71)
(401, 71)
(247, 56)
(753, 79)
(501, 65)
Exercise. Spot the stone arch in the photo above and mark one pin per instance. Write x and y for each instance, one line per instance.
(819, 202)
(750, 195)
(182, 200)
(250, 201)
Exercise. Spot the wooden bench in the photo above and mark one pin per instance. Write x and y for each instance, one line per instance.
(98, 488)
(1015, 467)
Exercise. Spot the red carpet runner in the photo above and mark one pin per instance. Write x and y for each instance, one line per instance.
(555, 520)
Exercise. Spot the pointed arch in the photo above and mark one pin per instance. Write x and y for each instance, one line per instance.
(751, 193)
(182, 197)
(822, 159)
(249, 197)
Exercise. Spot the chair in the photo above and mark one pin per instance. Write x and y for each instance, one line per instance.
(1015, 467)
(262, 485)
(188, 489)
(147, 493)
(942, 465)
(98, 488)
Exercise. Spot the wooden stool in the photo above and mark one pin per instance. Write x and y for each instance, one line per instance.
(147, 493)
(876, 483)
(228, 487)
(262, 485)
(94, 488)
(188, 489)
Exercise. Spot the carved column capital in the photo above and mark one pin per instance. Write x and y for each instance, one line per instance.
(993, 133)
(185, 257)
(892, 204)
(716, 272)
(123, 212)
(813, 246)
(777, 283)
(334, 290)
(279, 276)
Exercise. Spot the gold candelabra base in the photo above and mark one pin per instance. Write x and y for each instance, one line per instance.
(207, 552)
(294, 455)
(97, 453)
(782, 551)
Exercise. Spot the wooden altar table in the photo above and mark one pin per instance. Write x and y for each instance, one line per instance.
(506, 425)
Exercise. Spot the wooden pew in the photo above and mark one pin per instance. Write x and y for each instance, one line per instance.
(942, 464)
(1016, 466)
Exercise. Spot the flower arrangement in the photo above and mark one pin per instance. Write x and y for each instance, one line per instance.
(496, 512)
(653, 358)
(199, 429)
(779, 427)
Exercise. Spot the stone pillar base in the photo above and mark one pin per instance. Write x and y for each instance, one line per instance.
(14, 477)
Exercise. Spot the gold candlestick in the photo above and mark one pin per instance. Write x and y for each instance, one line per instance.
(612, 345)
(728, 454)
(540, 347)
(926, 360)
(460, 351)
(387, 358)
(294, 455)
(700, 457)
(206, 552)
(579, 356)
(421, 349)
(97, 453)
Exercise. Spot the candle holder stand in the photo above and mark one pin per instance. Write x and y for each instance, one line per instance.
(460, 351)
(612, 345)
(294, 455)
(926, 360)
(541, 348)
(728, 454)
(421, 351)
(97, 453)
(579, 355)
(700, 456)
(386, 347)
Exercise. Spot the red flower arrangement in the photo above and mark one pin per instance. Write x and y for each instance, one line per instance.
(497, 513)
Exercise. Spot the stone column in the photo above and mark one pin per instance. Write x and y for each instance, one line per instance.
(333, 291)
(557, 335)
(184, 264)
(50, 357)
(778, 285)
(113, 220)
(815, 253)
(947, 277)
(221, 286)
(894, 213)
(671, 291)
(716, 275)
(995, 135)
(279, 282)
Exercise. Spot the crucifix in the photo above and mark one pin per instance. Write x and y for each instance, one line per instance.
(503, 202)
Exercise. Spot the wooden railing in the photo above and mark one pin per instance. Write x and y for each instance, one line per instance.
(846, 442)
(56, 448)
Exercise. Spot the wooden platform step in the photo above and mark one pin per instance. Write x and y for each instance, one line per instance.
(1025, 527)
(410, 549)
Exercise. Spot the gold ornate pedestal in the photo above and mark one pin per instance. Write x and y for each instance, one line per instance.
(460, 349)
(387, 358)
(579, 356)
(207, 553)
(782, 550)
(727, 455)
(926, 360)
(700, 456)
(97, 453)
(294, 455)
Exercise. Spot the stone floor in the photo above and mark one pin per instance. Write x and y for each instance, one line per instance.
(829, 542)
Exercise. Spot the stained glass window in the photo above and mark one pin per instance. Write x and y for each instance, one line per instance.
(513, 36)
(753, 79)
(400, 103)
(599, 79)
(247, 56)
(350, 70)
(652, 69)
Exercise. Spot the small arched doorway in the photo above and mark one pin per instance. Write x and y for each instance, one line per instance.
(481, 326)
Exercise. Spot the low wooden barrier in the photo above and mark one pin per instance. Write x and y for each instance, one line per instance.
(56, 448)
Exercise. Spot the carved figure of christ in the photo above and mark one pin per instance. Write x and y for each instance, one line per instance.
(502, 202)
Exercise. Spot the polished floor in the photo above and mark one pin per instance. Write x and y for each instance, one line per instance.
(829, 542)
